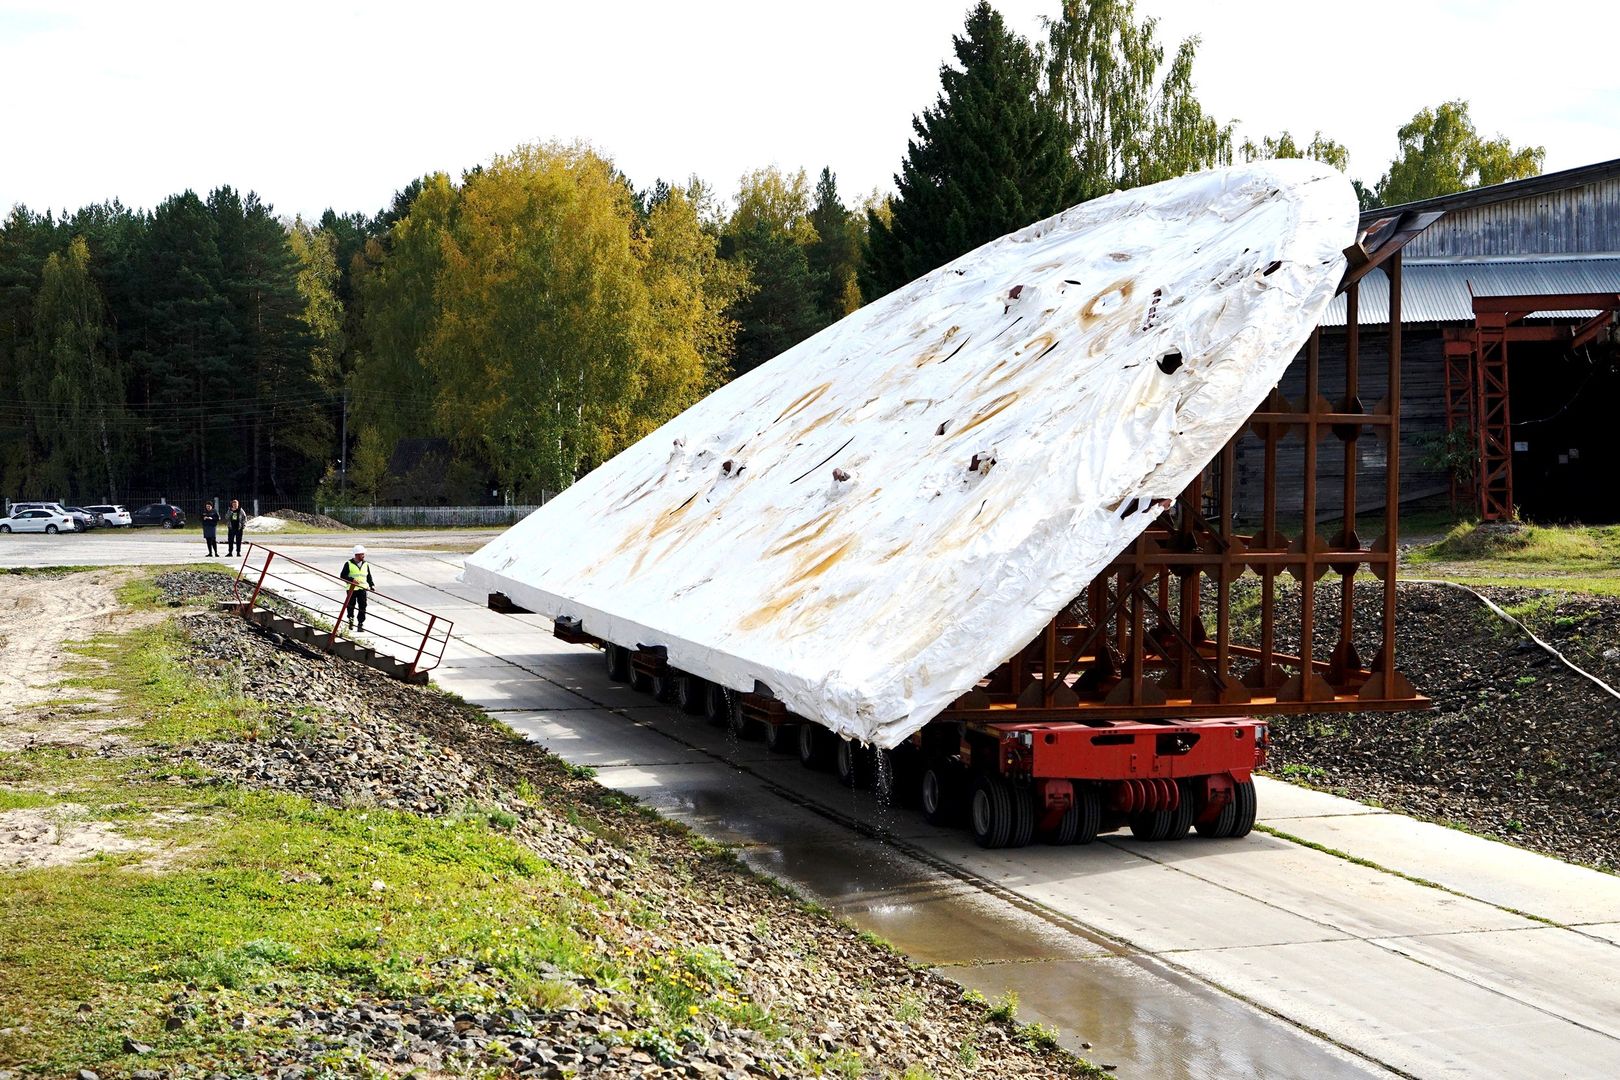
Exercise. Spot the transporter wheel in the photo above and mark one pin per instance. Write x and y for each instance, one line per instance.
(1236, 817)
(741, 726)
(1181, 818)
(990, 814)
(940, 792)
(1082, 821)
(5, 528)
(168, 524)
(815, 746)
(782, 738)
(853, 764)
(692, 694)
(1023, 806)
(1244, 799)
(640, 681)
(896, 777)
(1152, 824)
(717, 705)
(50, 528)
(665, 683)
(618, 662)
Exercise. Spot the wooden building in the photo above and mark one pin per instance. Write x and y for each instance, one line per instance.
(1509, 358)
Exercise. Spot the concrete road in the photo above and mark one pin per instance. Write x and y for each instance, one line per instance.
(1344, 941)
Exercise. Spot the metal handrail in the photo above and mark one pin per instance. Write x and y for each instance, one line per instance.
(419, 636)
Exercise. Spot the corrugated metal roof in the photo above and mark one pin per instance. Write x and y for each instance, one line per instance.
(1439, 291)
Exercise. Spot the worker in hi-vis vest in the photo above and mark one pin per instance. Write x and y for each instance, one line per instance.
(357, 572)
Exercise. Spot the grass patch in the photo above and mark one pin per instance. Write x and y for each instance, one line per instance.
(1572, 558)
(172, 705)
(274, 889)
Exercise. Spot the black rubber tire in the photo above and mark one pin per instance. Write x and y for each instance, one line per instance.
(852, 763)
(817, 747)
(1151, 825)
(692, 695)
(1080, 822)
(1247, 806)
(717, 705)
(168, 524)
(940, 792)
(664, 683)
(781, 738)
(51, 529)
(897, 778)
(1181, 818)
(990, 812)
(618, 662)
(1089, 803)
(1023, 806)
(741, 726)
(1236, 818)
(5, 528)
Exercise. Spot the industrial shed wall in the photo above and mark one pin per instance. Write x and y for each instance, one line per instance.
(1579, 220)
(1423, 420)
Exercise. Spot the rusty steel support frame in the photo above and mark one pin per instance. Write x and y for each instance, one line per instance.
(1458, 352)
(1477, 387)
(1135, 646)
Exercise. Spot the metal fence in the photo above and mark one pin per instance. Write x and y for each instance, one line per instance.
(429, 515)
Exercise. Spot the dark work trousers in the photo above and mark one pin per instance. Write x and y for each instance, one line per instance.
(233, 539)
(357, 607)
(211, 534)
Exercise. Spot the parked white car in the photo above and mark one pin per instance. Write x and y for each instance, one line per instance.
(111, 514)
(37, 520)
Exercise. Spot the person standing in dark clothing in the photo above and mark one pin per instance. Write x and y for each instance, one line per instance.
(210, 524)
(235, 522)
(357, 572)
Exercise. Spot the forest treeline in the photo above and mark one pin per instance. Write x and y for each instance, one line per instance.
(498, 334)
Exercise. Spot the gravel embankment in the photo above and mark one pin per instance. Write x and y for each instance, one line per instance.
(1517, 746)
(376, 742)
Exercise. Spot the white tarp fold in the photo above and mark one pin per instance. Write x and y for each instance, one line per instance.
(874, 520)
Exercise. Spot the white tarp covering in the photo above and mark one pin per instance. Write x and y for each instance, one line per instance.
(874, 520)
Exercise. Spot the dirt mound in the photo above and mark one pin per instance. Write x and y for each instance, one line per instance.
(314, 521)
(1488, 539)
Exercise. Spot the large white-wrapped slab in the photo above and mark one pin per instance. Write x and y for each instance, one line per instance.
(992, 446)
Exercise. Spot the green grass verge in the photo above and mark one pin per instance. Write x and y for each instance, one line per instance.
(260, 897)
(1571, 558)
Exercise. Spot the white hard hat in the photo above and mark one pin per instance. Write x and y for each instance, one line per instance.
(359, 549)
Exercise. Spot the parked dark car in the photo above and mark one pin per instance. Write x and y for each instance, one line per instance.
(165, 514)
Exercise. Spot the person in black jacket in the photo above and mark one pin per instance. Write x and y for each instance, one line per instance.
(210, 524)
(235, 522)
(357, 572)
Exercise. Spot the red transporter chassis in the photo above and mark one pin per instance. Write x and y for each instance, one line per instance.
(1130, 708)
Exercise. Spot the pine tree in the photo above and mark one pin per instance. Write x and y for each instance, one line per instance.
(182, 362)
(988, 158)
(778, 310)
(834, 256)
(76, 382)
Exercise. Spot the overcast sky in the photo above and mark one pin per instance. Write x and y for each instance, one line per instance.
(340, 103)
